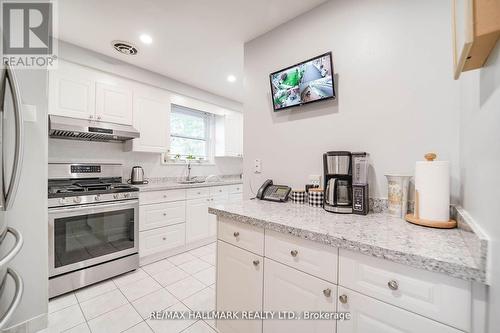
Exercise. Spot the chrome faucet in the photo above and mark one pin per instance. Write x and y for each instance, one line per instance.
(188, 178)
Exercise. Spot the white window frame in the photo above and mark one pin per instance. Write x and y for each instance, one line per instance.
(209, 120)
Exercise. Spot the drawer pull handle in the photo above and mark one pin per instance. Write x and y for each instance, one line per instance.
(393, 285)
(294, 253)
(256, 263)
(236, 234)
(164, 214)
(327, 292)
(199, 193)
(164, 238)
(343, 299)
(165, 196)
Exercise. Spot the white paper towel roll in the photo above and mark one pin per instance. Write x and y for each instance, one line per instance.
(432, 181)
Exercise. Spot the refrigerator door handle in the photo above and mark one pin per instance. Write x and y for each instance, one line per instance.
(15, 250)
(17, 296)
(9, 192)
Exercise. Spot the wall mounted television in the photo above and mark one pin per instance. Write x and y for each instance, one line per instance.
(306, 82)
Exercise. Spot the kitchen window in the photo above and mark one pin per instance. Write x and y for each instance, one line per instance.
(190, 134)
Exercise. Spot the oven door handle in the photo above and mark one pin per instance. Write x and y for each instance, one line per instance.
(94, 206)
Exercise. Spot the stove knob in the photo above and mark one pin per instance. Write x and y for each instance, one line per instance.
(62, 201)
(77, 200)
(97, 198)
(126, 195)
(116, 196)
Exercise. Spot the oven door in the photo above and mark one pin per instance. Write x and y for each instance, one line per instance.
(87, 235)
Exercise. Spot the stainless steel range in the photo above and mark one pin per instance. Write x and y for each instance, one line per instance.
(93, 225)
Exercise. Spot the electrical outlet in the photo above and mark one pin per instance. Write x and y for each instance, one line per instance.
(315, 180)
(257, 168)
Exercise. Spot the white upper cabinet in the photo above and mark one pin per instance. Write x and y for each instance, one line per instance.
(151, 110)
(114, 103)
(229, 135)
(80, 92)
(71, 92)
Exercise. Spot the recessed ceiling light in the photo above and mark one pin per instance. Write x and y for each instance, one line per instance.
(231, 78)
(146, 39)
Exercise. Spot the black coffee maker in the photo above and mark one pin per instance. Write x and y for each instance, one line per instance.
(338, 181)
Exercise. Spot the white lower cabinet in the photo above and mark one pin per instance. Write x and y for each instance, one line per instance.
(287, 289)
(197, 220)
(161, 239)
(240, 277)
(372, 316)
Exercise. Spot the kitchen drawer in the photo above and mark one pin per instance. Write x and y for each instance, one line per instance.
(242, 235)
(430, 294)
(146, 198)
(313, 258)
(161, 239)
(161, 215)
(238, 188)
(219, 190)
(369, 315)
(200, 192)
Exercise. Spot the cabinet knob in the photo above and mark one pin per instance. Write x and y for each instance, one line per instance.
(294, 253)
(327, 292)
(236, 234)
(199, 193)
(256, 262)
(164, 238)
(165, 196)
(91, 117)
(393, 285)
(343, 299)
(164, 214)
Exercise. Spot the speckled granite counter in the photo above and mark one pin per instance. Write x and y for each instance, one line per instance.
(174, 185)
(378, 235)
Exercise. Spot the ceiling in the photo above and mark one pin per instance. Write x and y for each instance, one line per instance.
(198, 42)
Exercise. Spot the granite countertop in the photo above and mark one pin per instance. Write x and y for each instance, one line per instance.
(376, 234)
(175, 185)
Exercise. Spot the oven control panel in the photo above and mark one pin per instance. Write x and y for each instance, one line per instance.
(85, 169)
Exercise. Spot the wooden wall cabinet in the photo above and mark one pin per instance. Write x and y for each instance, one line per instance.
(476, 30)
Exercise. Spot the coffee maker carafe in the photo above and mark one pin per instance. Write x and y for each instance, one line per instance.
(338, 181)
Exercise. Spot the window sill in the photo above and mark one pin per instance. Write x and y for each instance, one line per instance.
(184, 163)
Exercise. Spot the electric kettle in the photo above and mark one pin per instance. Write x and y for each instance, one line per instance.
(137, 176)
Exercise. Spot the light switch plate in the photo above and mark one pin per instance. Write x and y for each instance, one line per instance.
(315, 180)
(257, 166)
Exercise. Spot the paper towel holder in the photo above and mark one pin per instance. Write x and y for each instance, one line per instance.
(415, 218)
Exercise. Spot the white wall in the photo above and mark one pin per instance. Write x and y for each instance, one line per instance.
(396, 96)
(480, 161)
(72, 151)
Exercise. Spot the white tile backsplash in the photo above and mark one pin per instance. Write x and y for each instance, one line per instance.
(83, 151)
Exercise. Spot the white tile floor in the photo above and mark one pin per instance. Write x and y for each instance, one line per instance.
(123, 304)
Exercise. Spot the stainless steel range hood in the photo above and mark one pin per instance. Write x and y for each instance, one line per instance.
(85, 130)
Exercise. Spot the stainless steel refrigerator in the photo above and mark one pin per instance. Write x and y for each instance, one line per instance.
(23, 199)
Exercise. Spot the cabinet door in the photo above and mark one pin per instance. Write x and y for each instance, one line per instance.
(239, 287)
(214, 201)
(234, 134)
(152, 119)
(114, 103)
(71, 91)
(371, 316)
(287, 289)
(197, 220)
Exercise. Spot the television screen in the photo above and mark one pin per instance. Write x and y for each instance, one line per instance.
(306, 82)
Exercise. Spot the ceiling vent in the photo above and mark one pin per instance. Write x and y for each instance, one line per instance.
(124, 47)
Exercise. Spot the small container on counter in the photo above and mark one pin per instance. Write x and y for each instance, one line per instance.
(315, 197)
(298, 196)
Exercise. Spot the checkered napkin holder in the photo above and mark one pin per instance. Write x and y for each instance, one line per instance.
(315, 197)
(298, 196)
